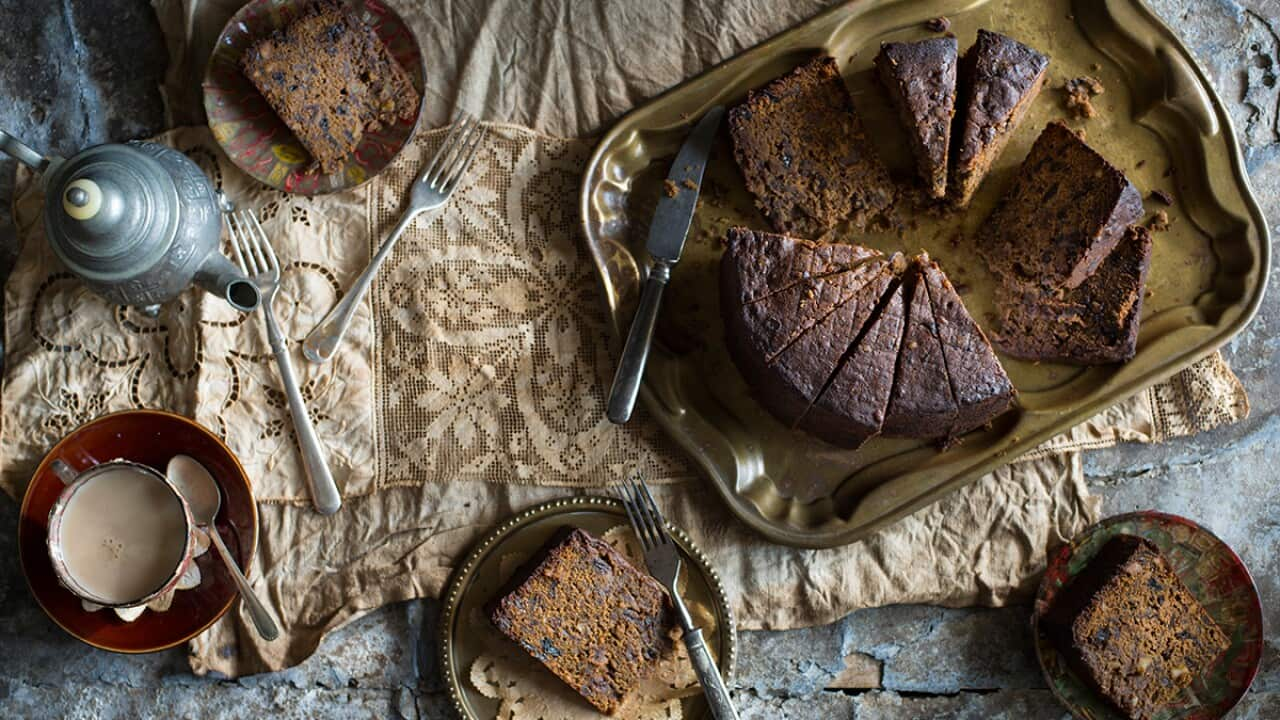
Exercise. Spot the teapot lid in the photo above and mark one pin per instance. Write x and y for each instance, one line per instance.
(110, 212)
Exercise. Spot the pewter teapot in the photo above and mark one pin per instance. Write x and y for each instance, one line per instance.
(138, 222)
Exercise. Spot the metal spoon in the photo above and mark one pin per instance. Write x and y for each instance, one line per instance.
(205, 498)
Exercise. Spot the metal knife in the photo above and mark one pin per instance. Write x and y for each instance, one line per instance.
(667, 234)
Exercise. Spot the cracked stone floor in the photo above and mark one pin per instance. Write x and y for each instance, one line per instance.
(887, 663)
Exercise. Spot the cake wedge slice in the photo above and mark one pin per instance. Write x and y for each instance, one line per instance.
(1097, 323)
(762, 264)
(922, 404)
(1064, 213)
(804, 154)
(851, 409)
(795, 378)
(920, 78)
(981, 387)
(999, 77)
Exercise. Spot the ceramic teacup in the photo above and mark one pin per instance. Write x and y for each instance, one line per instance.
(120, 533)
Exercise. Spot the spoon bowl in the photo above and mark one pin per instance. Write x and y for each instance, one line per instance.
(204, 497)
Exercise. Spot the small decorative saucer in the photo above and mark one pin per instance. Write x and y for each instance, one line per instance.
(466, 636)
(1211, 571)
(258, 142)
(149, 437)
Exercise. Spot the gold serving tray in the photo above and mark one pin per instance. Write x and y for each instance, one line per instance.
(1159, 120)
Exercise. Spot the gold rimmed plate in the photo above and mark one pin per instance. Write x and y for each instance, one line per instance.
(1159, 120)
(465, 636)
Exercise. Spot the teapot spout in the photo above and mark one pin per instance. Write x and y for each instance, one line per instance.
(225, 280)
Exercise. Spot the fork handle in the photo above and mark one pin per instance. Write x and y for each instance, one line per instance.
(324, 491)
(323, 341)
(709, 676)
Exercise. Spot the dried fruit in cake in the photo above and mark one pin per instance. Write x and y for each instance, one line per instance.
(804, 153)
(920, 78)
(587, 614)
(979, 384)
(999, 78)
(1065, 211)
(922, 404)
(1095, 324)
(1130, 628)
(329, 78)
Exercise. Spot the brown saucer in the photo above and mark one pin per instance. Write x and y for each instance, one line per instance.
(149, 437)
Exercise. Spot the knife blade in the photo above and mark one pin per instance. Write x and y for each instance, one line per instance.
(667, 233)
(674, 213)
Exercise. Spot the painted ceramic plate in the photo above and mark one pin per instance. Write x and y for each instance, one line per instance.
(255, 138)
(149, 437)
(1211, 571)
(465, 635)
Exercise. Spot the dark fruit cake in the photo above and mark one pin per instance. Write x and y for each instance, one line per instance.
(804, 154)
(794, 380)
(1066, 210)
(329, 78)
(587, 614)
(1094, 324)
(1131, 629)
(851, 409)
(920, 78)
(999, 77)
(979, 384)
(922, 404)
(852, 348)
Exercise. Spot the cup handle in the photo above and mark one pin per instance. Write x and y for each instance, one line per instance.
(64, 472)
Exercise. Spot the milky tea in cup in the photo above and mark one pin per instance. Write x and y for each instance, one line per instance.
(120, 534)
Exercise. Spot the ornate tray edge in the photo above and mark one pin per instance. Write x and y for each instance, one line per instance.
(1125, 387)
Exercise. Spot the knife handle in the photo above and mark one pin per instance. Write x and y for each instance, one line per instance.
(626, 383)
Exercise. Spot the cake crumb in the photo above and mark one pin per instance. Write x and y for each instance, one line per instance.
(1163, 196)
(1159, 222)
(670, 188)
(689, 184)
(939, 24)
(1079, 92)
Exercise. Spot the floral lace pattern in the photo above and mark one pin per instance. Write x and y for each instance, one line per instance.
(482, 354)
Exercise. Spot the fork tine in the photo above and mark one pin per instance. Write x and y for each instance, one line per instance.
(631, 515)
(643, 511)
(238, 245)
(451, 158)
(657, 514)
(437, 160)
(264, 244)
(255, 242)
(460, 168)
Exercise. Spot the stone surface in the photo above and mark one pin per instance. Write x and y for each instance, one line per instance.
(885, 664)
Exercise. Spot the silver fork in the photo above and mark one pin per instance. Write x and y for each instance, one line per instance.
(663, 560)
(259, 262)
(430, 190)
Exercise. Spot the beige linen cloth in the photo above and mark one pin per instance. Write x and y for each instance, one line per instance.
(472, 383)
